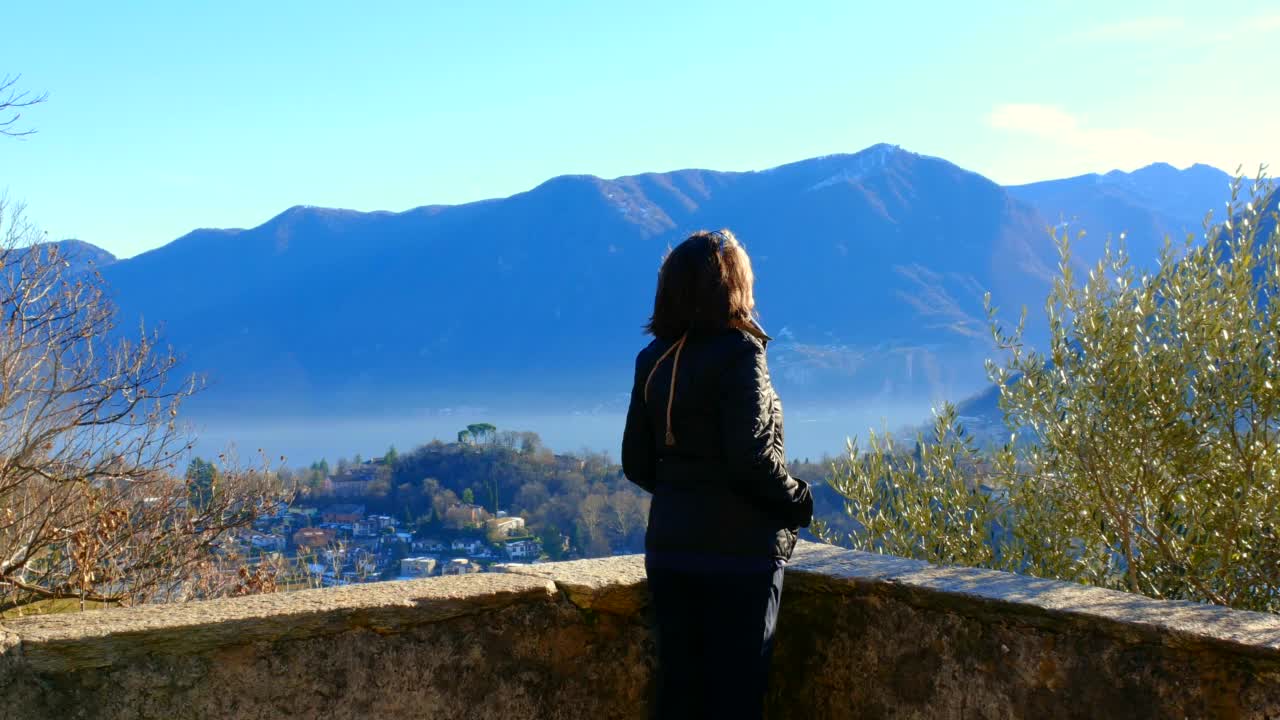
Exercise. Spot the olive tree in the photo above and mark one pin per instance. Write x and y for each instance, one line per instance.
(1143, 447)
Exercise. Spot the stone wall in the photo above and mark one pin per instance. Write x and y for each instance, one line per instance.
(874, 636)
(861, 636)
(483, 646)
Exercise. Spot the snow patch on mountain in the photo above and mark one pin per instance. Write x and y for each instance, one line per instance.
(860, 165)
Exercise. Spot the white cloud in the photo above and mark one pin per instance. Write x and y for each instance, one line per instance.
(1244, 32)
(1042, 120)
(1116, 145)
(1177, 32)
(1097, 148)
(1145, 28)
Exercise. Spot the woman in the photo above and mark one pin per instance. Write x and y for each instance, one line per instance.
(704, 435)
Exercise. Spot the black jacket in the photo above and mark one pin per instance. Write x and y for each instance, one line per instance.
(717, 472)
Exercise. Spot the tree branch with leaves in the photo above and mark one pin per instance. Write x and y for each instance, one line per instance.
(1145, 439)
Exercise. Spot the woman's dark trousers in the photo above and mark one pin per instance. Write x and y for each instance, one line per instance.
(715, 640)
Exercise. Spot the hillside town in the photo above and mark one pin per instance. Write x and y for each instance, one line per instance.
(341, 543)
(334, 539)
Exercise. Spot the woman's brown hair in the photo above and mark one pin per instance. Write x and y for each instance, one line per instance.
(705, 284)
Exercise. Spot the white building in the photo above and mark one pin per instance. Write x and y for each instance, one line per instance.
(469, 546)
(504, 526)
(380, 522)
(273, 543)
(429, 545)
(523, 549)
(460, 566)
(423, 566)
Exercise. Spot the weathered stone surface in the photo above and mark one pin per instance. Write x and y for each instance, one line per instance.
(613, 585)
(472, 646)
(864, 635)
(825, 568)
(861, 636)
(66, 642)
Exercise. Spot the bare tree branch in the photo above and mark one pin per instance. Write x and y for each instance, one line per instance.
(12, 102)
(90, 504)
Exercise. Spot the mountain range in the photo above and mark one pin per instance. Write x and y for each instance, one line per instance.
(1146, 205)
(871, 269)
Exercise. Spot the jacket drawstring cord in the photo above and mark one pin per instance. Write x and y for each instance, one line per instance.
(677, 346)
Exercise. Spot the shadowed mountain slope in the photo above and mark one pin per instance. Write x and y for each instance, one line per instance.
(871, 269)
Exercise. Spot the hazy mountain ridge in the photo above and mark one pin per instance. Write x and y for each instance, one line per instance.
(82, 256)
(871, 270)
(1147, 205)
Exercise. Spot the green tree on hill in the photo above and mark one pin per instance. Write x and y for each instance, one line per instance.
(552, 542)
(482, 432)
(202, 476)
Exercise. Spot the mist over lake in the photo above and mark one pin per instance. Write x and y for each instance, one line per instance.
(811, 431)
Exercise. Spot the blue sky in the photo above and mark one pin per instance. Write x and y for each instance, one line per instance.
(166, 116)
